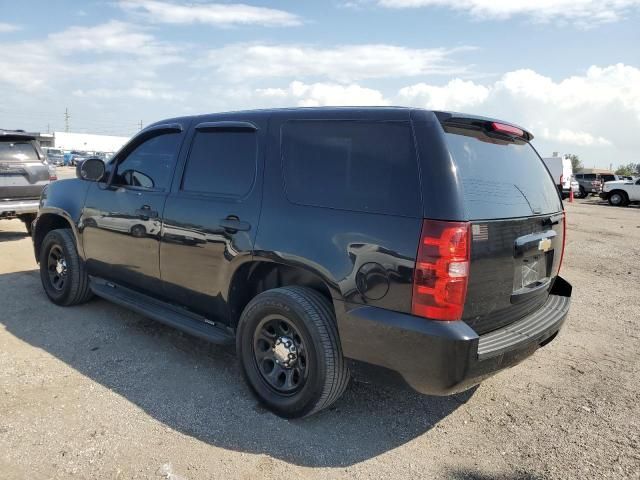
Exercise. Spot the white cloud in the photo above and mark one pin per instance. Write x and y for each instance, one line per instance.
(570, 137)
(600, 108)
(454, 95)
(217, 14)
(321, 94)
(140, 90)
(583, 13)
(344, 63)
(112, 37)
(9, 27)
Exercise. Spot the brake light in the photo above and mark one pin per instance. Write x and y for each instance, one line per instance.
(508, 129)
(52, 178)
(442, 270)
(564, 237)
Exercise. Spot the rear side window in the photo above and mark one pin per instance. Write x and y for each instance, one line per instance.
(352, 165)
(18, 151)
(221, 162)
(500, 179)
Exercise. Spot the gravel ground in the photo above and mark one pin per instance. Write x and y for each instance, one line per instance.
(99, 392)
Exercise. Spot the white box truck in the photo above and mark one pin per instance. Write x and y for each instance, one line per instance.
(561, 171)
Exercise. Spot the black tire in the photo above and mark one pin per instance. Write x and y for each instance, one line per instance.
(138, 231)
(72, 287)
(618, 198)
(310, 316)
(28, 219)
(583, 193)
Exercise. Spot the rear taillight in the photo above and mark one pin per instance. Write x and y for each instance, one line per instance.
(564, 237)
(52, 178)
(442, 270)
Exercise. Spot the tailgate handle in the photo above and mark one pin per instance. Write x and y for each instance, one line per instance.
(533, 241)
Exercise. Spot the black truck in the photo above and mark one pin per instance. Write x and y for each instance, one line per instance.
(425, 244)
(23, 174)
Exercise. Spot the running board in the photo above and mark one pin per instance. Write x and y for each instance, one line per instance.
(166, 313)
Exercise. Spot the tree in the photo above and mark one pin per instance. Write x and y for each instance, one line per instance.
(629, 169)
(576, 164)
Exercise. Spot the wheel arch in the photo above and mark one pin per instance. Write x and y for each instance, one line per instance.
(52, 219)
(257, 276)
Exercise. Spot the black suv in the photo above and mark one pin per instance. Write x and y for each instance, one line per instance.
(23, 174)
(425, 243)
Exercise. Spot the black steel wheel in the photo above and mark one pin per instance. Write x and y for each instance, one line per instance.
(280, 354)
(57, 267)
(290, 352)
(62, 271)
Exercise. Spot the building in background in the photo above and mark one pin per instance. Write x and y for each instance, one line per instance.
(88, 142)
(598, 171)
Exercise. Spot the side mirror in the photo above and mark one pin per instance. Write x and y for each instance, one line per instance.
(92, 169)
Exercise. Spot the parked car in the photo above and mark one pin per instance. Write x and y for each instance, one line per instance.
(423, 243)
(24, 173)
(78, 157)
(621, 193)
(54, 156)
(589, 184)
(604, 178)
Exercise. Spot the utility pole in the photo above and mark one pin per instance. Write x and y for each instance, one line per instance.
(48, 128)
(66, 120)
(140, 125)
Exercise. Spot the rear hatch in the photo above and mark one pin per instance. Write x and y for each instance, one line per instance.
(517, 221)
(23, 172)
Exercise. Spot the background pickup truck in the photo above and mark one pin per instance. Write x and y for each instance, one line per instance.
(621, 192)
(23, 174)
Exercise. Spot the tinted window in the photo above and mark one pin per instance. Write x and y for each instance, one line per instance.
(18, 151)
(590, 176)
(151, 164)
(501, 179)
(363, 166)
(221, 162)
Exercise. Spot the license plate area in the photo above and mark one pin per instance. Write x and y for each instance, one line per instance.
(532, 275)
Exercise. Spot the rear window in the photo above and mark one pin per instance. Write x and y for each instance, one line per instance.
(18, 151)
(501, 179)
(352, 165)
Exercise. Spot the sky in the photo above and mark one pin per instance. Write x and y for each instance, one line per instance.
(566, 70)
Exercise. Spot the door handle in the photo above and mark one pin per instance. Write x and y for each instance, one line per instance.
(233, 224)
(146, 211)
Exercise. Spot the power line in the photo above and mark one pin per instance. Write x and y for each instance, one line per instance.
(66, 119)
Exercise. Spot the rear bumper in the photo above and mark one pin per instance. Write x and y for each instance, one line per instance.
(442, 358)
(11, 208)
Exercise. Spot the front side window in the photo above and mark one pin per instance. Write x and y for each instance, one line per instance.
(352, 165)
(221, 162)
(150, 164)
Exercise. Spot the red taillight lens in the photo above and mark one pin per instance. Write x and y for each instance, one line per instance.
(564, 238)
(442, 270)
(52, 178)
(504, 128)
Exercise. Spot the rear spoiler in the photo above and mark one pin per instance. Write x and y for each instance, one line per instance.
(483, 123)
(15, 135)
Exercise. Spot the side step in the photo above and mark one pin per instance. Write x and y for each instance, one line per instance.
(166, 313)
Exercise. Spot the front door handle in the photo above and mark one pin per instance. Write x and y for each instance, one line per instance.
(234, 224)
(146, 211)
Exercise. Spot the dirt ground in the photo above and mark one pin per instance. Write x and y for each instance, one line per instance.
(99, 392)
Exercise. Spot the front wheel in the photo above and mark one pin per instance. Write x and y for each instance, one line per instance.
(617, 199)
(62, 271)
(290, 353)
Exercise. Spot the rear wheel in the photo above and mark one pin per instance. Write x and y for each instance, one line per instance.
(583, 193)
(290, 352)
(62, 271)
(618, 199)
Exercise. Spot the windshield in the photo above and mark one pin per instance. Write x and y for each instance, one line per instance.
(18, 151)
(500, 179)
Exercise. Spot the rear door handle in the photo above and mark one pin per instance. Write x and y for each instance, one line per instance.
(146, 211)
(234, 224)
